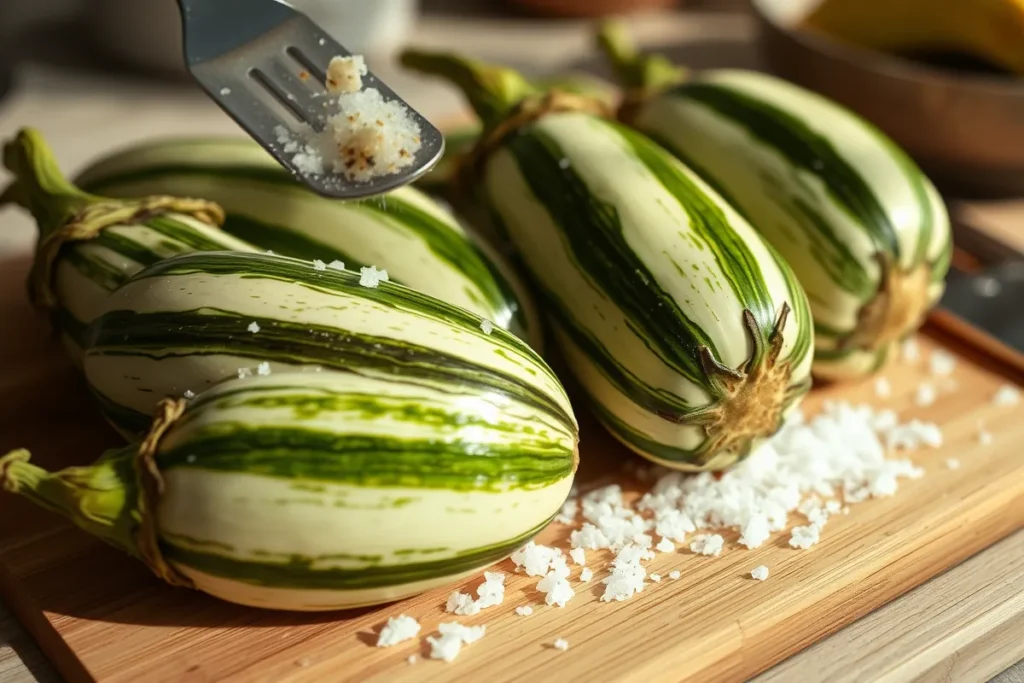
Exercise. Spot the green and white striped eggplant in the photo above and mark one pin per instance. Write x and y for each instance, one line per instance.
(186, 323)
(88, 245)
(690, 335)
(865, 231)
(419, 242)
(321, 492)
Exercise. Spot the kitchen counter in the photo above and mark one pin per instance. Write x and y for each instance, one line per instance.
(963, 625)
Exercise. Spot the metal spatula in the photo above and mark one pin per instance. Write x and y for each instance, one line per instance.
(265, 64)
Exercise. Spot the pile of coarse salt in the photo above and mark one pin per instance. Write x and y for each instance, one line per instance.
(811, 468)
(809, 471)
(364, 137)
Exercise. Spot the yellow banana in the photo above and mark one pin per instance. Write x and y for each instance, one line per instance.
(992, 30)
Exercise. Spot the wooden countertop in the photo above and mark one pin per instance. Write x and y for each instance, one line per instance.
(963, 625)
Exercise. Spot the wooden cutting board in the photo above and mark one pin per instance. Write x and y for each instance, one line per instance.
(102, 617)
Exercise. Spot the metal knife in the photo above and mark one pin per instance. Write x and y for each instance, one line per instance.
(984, 299)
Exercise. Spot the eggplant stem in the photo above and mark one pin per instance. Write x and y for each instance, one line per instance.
(751, 404)
(97, 498)
(492, 91)
(643, 74)
(897, 309)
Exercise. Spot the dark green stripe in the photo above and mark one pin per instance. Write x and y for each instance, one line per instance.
(801, 317)
(286, 241)
(299, 572)
(210, 333)
(373, 461)
(595, 240)
(805, 149)
(449, 244)
(95, 182)
(186, 237)
(94, 268)
(708, 222)
(216, 332)
(454, 248)
(594, 237)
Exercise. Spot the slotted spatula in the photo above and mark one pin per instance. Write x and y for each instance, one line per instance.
(265, 64)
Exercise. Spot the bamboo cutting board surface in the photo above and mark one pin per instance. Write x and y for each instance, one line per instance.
(100, 615)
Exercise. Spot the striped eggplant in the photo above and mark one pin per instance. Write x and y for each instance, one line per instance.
(690, 335)
(418, 241)
(186, 323)
(325, 491)
(865, 231)
(88, 245)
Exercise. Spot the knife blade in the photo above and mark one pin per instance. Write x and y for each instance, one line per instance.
(983, 303)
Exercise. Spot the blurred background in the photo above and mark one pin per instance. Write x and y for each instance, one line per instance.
(944, 79)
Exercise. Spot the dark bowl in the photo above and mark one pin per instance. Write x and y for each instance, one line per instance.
(965, 130)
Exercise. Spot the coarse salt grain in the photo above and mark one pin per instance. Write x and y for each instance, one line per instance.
(368, 136)
(707, 544)
(656, 578)
(263, 369)
(487, 326)
(925, 394)
(452, 637)
(561, 644)
(189, 394)
(412, 659)
(254, 327)
(555, 584)
(579, 556)
(524, 610)
(535, 559)
(467, 634)
(882, 388)
(627, 574)
(444, 647)
(319, 265)
(369, 276)
(760, 573)
(492, 590)
(674, 574)
(365, 136)
(244, 372)
(1007, 395)
(336, 265)
(755, 531)
(462, 604)
(586, 574)
(953, 464)
(397, 630)
(803, 537)
(941, 363)
(225, 91)
(665, 546)
(345, 74)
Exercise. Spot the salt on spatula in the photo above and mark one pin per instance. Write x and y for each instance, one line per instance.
(270, 68)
